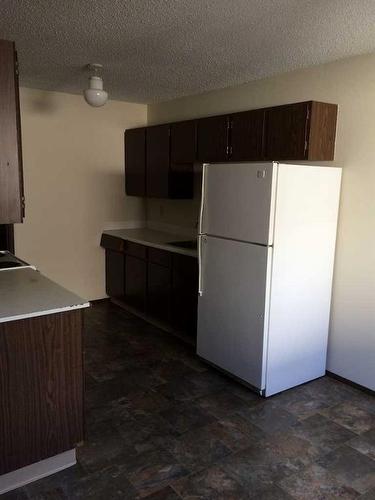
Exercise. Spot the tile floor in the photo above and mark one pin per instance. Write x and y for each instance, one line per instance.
(163, 425)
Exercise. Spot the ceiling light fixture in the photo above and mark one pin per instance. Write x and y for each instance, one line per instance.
(95, 95)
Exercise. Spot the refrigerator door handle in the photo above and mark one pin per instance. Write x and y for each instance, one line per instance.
(203, 194)
(200, 266)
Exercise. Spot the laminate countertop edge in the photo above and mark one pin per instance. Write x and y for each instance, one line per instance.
(26, 293)
(140, 236)
(44, 313)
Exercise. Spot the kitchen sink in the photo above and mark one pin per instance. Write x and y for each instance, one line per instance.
(191, 244)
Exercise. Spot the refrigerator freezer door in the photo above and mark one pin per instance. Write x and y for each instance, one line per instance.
(238, 201)
(231, 309)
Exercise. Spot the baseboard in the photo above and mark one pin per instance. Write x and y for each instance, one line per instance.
(154, 322)
(30, 473)
(349, 382)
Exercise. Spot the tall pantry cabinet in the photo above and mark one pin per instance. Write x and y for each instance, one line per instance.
(11, 177)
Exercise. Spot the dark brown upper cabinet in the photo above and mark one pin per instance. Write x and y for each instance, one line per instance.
(164, 155)
(11, 177)
(170, 154)
(157, 161)
(246, 135)
(183, 142)
(183, 155)
(135, 161)
(213, 139)
(302, 131)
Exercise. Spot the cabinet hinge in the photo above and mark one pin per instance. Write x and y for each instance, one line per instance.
(227, 150)
(305, 146)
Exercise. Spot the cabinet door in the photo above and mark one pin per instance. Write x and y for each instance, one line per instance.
(213, 139)
(114, 273)
(157, 161)
(183, 142)
(135, 282)
(135, 162)
(184, 293)
(41, 411)
(286, 132)
(183, 156)
(11, 180)
(246, 136)
(158, 291)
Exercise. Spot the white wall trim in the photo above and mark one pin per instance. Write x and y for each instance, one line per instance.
(38, 470)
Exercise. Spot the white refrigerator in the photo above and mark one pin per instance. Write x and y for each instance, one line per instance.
(266, 248)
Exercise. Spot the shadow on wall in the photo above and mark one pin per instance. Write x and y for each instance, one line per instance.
(44, 103)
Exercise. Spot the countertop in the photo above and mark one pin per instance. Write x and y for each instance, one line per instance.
(25, 293)
(154, 238)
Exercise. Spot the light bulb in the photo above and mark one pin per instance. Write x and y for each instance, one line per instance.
(95, 95)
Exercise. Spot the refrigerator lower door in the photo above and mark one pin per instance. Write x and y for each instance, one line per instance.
(238, 201)
(231, 309)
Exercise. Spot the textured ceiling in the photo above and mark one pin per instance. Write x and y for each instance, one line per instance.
(155, 50)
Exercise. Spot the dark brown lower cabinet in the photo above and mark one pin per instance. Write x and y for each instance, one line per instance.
(115, 273)
(158, 291)
(135, 282)
(159, 284)
(41, 388)
(184, 300)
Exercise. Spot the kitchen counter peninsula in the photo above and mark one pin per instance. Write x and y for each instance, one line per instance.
(41, 377)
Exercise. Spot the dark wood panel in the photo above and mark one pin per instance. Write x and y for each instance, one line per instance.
(213, 136)
(286, 132)
(112, 243)
(135, 249)
(11, 202)
(135, 162)
(184, 142)
(41, 388)
(157, 161)
(322, 131)
(161, 257)
(135, 282)
(246, 136)
(184, 300)
(183, 156)
(158, 291)
(115, 273)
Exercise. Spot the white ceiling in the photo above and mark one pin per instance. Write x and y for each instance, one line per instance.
(156, 50)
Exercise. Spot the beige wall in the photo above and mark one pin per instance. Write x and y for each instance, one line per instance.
(74, 185)
(351, 84)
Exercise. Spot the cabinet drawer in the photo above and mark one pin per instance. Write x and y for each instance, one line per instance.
(112, 243)
(135, 249)
(161, 257)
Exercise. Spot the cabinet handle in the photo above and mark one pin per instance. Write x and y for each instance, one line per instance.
(203, 195)
(200, 266)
